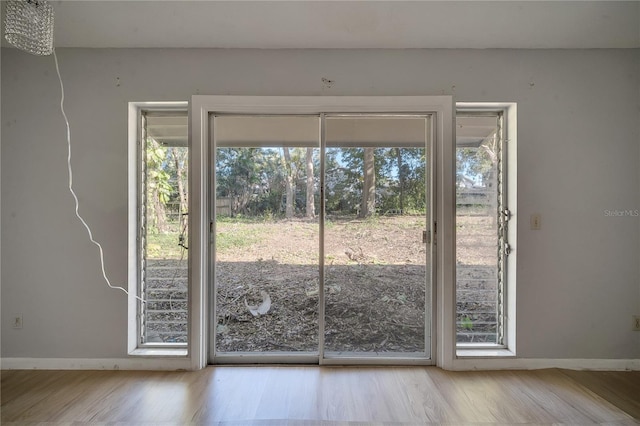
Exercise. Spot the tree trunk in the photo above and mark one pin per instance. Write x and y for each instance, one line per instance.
(290, 193)
(245, 194)
(368, 205)
(182, 187)
(401, 179)
(311, 208)
(159, 211)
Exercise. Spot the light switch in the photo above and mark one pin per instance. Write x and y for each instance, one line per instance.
(536, 221)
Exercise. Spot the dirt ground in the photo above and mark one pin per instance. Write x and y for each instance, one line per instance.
(375, 274)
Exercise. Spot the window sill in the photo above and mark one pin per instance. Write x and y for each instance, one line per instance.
(160, 352)
(484, 353)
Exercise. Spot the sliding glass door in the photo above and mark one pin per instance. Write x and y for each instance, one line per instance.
(321, 238)
(266, 243)
(376, 249)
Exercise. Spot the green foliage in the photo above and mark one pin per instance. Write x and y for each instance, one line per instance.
(251, 176)
(467, 323)
(165, 174)
(268, 215)
(255, 180)
(475, 165)
(157, 174)
(400, 179)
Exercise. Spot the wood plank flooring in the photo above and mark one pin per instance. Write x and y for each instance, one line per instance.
(312, 395)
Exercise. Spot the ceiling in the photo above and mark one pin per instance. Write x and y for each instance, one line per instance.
(347, 24)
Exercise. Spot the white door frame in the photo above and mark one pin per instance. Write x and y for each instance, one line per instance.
(442, 109)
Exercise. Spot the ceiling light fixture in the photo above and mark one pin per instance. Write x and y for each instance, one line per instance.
(28, 25)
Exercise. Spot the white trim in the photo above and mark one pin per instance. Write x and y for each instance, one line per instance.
(500, 363)
(160, 352)
(132, 220)
(136, 363)
(445, 317)
(373, 360)
(135, 108)
(199, 228)
(511, 134)
(509, 109)
(483, 352)
(173, 364)
(443, 348)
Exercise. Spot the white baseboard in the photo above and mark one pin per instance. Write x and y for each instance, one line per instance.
(134, 363)
(460, 364)
(468, 364)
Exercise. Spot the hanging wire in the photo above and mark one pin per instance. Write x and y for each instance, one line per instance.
(75, 197)
(183, 250)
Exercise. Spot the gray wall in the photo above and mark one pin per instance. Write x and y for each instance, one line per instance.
(579, 155)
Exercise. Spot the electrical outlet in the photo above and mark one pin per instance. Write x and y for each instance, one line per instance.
(636, 323)
(16, 321)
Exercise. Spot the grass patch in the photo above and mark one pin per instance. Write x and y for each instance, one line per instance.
(237, 219)
(164, 246)
(233, 235)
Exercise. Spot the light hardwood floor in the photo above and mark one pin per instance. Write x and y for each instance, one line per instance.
(275, 395)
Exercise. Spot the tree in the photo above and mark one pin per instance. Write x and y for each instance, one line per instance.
(180, 156)
(239, 175)
(158, 186)
(310, 205)
(400, 177)
(289, 183)
(368, 205)
(476, 165)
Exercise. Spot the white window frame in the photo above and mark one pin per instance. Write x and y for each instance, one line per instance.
(508, 347)
(134, 345)
(444, 351)
(444, 200)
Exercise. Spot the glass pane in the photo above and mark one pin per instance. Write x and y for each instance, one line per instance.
(164, 230)
(477, 243)
(376, 269)
(267, 234)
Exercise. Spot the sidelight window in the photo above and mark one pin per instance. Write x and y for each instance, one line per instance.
(159, 223)
(484, 238)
